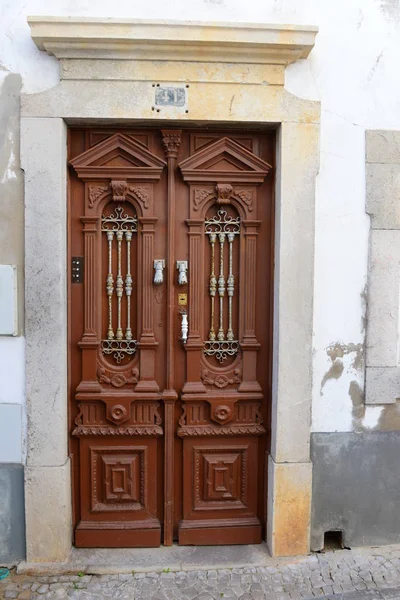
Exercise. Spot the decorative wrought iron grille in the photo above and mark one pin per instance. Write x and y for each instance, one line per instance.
(119, 226)
(224, 229)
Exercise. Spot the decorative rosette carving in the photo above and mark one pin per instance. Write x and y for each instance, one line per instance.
(221, 380)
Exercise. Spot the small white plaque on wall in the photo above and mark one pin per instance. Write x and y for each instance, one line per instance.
(171, 98)
(8, 300)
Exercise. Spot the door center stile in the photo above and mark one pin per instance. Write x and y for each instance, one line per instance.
(171, 141)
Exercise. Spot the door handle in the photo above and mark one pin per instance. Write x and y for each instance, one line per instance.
(182, 266)
(184, 326)
(159, 266)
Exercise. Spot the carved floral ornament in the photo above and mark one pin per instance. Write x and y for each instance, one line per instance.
(221, 380)
(223, 194)
(119, 190)
(95, 193)
(171, 140)
(107, 376)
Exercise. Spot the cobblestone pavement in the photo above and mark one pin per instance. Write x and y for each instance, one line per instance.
(364, 574)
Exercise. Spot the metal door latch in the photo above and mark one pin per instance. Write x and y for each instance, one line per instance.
(77, 269)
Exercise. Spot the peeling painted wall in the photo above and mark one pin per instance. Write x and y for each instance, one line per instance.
(351, 71)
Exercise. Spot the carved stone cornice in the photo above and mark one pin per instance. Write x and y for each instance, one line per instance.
(151, 40)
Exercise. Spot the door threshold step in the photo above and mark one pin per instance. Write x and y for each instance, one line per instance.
(109, 561)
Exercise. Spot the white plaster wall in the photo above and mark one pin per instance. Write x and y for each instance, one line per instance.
(353, 71)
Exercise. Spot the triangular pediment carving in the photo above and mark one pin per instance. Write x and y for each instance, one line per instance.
(118, 157)
(224, 161)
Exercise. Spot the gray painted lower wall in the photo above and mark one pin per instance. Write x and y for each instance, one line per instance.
(356, 487)
(12, 513)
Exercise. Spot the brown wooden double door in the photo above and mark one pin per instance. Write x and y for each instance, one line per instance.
(170, 270)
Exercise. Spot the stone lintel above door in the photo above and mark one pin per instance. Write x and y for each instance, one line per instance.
(79, 43)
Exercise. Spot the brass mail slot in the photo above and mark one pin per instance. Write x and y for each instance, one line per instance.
(182, 299)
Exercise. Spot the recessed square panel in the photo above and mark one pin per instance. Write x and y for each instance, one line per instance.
(118, 478)
(220, 478)
(121, 481)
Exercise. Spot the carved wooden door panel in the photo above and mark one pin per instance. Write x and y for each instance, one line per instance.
(225, 389)
(170, 247)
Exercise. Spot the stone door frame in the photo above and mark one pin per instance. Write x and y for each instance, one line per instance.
(97, 87)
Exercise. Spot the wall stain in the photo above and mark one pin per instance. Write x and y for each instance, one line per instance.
(292, 514)
(337, 350)
(375, 66)
(364, 304)
(336, 353)
(231, 104)
(334, 372)
(9, 122)
(390, 418)
(356, 394)
(390, 9)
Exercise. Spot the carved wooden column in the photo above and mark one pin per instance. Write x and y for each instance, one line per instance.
(147, 342)
(171, 142)
(90, 340)
(248, 274)
(194, 345)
